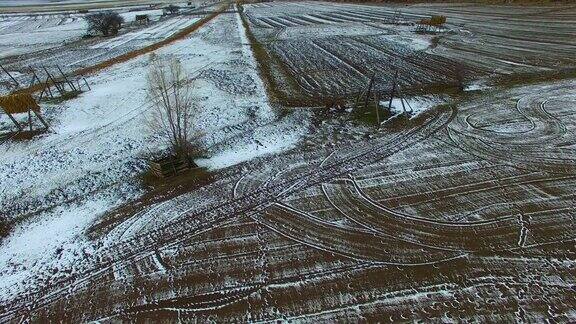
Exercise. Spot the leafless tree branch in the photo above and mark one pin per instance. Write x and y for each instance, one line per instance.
(175, 109)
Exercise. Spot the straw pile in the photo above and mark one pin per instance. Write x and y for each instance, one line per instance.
(18, 103)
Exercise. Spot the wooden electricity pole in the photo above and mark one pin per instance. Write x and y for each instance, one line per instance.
(369, 90)
(35, 77)
(10, 75)
(66, 79)
(394, 81)
(377, 107)
(398, 93)
(58, 87)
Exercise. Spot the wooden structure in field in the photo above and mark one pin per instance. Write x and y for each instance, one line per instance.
(12, 81)
(170, 166)
(396, 92)
(62, 83)
(22, 103)
(53, 81)
(369, 100)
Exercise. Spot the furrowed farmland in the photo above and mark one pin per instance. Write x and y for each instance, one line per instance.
(325, 50)
(288, 161)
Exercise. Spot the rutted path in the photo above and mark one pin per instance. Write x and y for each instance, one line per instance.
(251, 203)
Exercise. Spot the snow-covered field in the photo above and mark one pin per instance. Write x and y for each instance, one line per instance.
(89, 162)
(461, 210)
(23, 33)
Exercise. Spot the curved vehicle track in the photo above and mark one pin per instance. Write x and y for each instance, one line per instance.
(251, 203)
(538, 147)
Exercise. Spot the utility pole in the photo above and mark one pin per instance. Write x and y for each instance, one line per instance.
(57, 85)
(377, 107)
(369, 90)
(394, 81)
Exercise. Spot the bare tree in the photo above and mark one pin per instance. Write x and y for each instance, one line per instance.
(170, 91)
(105, 23)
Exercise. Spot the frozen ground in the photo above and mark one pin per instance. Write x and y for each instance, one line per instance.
(72, 4)
(422, 221)
(24, 33)
(37, 2)
(57, 39)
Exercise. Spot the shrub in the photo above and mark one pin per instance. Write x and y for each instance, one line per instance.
(437, 21)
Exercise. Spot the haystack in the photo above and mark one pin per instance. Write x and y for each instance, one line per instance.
(19, 103)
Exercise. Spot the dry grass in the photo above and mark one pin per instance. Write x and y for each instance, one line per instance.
(266, 64)
(5, 228)
(18, 103)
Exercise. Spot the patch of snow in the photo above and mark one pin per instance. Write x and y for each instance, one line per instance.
(413, 105)
(268, 139)
(20, 35)
(477, 86)
(49, 245)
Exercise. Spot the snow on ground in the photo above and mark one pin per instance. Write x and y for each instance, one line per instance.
(148, 35)
(130, 16)
(51, 244)
(268, 139)
(413, 105)
(399, 34)
(90, 161)
(71, 176)
(20, 34)
(477, 86)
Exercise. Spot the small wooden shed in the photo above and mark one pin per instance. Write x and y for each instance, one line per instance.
(170, 166)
